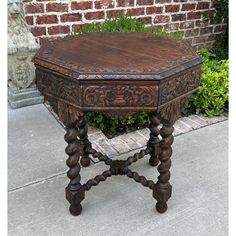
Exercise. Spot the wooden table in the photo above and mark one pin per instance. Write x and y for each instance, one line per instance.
(117, 74)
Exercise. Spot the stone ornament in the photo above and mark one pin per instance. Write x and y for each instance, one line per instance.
(19, 35)
(21, 44)
(21, 48)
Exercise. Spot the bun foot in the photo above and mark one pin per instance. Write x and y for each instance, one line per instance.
(75, 210)
(161, 207)
(85, 162)
(153, 161)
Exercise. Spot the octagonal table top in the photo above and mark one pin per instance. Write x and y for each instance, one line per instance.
(117, 56)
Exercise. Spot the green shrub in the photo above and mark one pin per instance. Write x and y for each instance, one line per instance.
(123, 23)
(221, 10)
(212, 95)
(105, 123)
(220, 47)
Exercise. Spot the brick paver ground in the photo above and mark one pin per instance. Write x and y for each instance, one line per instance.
(134, 140)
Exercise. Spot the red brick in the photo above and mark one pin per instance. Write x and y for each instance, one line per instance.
(44, 41)
(58, 30)
(135, 12)
(147, 20)
(119, 145)
(71, 17)
(144, 2)
(220, 28)
(113, 13)
(77, 27)
(188, 7)
(161, 19)
(208, 13)
(27, 1)
(191, 33)
(158, 27)
(162, 1)
(193, 15)
(104, 4)
(180, 0)
(202, 23)
(38, 31)
(206, 45)
(56, 7)
(211, 37)
(125, 3)
(81, 5)
(206, 30)
(187, 25)
(94, 15)
(154, 10)
(34, 8)
(203, 5)
(201, 39)
(172, 8)
(190, 40)
(178, 17)
(46, 19)
(29, 20)
(172, 26)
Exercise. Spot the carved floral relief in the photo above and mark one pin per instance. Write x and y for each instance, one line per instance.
(179, 85)
(119, 96)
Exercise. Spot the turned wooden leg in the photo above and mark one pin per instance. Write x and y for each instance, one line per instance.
(83, 141)
(162, 189)
(167, 114)
(154, 140)
(74, 190)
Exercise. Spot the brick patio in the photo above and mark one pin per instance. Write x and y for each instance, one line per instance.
(134, 140)
(137, 139)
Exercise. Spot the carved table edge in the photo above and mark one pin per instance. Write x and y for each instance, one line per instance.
(68, 73)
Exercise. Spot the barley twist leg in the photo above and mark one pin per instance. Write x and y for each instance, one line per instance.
(83, 141)
(154, 140)
(162, 189)
(74, 190)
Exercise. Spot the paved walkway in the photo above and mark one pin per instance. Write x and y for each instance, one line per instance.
(37, 177)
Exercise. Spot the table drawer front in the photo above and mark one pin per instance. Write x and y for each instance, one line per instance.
(120, 95)
(58, 87)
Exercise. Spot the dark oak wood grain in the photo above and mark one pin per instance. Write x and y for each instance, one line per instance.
(118, 74)
(119, 53)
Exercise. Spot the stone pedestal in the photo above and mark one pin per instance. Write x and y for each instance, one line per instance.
(24, 97)
(22, 90)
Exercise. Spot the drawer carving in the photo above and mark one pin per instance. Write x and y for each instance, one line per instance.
(120, 96)
(179, 85)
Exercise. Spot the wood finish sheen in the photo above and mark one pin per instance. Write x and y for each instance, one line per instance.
(118, 74)
(115, 53)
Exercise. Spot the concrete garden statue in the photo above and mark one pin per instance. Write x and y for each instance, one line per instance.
(21, 48)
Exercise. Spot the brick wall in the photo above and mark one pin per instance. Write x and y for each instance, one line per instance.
(56, 18)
